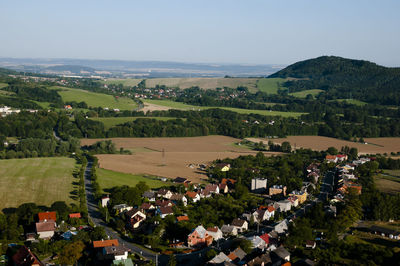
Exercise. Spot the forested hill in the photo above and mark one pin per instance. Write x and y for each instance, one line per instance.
(343, 78)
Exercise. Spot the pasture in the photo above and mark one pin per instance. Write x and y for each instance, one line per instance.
(169, 157)
(109, 179)
(303, 94)
(95, 99)
(388, 184)
(178, 105)
(373, 146)
(270, 85)
(39, 180)
(113, 121)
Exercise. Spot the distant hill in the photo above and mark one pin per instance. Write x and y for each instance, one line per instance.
(344, 78)
(71, 68)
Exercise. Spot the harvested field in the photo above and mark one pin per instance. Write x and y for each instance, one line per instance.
(204, 83)
(149, 107)
(374, 146)
(179, 153)
(388, 184)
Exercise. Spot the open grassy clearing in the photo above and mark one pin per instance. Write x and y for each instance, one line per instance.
(124, 82)
(113, 121)
(3, 85)
(44, 105)
(303, 94)
(39, 180)
(178, 105)
(395, 173)
(388, 183)
(109, 179)
(95, 99)
(270, 85)
(181, 156)
(352, 101)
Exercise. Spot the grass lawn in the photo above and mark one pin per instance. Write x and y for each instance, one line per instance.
(44, 105)
(303, 94)
(39, 180)
(124, 82)
(109, 179)
(270, 85)
(113, 121)
(3, 85)
(179, 105)
(95, 99)
(388, 184)
(352, 101)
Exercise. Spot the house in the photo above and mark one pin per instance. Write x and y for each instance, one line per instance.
(281, 227)
(46, 229)
(313, 167)
(392, 234)
(331, 158)
(300, 195)
(193, 195)
(277, 189)
(313, 177)
(219, 259)
(283, 205)
(164, 193)
(223, 167)
(282, 253)
(263, 259)
(237, 255)
(179, 198)
(105, 243)
(122, 208)
(294, 201)
(347, 185)
(76, 215)
(145, 207)
(257, 242)
(165, 211)
(182, 218)
(67, 107)
(29, 237)
(116, 252)
(223, 188)
(150, 195)
(311, 244)
(229, 182)
(135, 218)
(228, 230)
(47, 216)
(212, 188)
(215, 232)
(259, 185)
(163, 203)
(25, 257)
(241, 225)
(104, 201)
(265, 237)
(199, 237)
(264, 214)
(341, 157)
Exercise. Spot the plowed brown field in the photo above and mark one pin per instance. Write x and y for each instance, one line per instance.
(170, 157)
(373, 146)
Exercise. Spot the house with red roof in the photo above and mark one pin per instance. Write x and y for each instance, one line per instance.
(47, 216)
(182, 218)
(24, 256)
(76, 215)
(215, 232)
(46, 229)
(199, 237)
(193, 195)
(105, 243)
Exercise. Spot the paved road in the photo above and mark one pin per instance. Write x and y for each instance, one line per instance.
(95, 216)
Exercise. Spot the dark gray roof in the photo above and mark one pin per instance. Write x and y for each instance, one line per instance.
(281, 252)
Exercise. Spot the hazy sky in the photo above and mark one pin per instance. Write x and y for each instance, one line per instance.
(252, 31)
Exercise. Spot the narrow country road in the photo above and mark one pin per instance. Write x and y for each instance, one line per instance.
(95, 216)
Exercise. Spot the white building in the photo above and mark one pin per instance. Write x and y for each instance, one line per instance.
(258, 185)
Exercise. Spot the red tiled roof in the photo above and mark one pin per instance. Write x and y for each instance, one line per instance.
(75, 215)
(166, 210)
(25, 257)
(191, 194)
(47, 216)
(225, 181)
(265, 237)
(271, 208)
(182, 218)
(213, 229)
(232, 256)
(105, 243)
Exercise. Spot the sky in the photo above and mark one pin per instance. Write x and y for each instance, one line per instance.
(203, 31)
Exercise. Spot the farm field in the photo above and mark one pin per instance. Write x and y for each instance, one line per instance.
(179, 154)
(178, 105)
(109, 179)
(39, 180)
(113, 121)
(388, 184)
(124, 82)
(374, 146)
(204, 83)
(303, 94)
(269, 85)
(95, 99)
